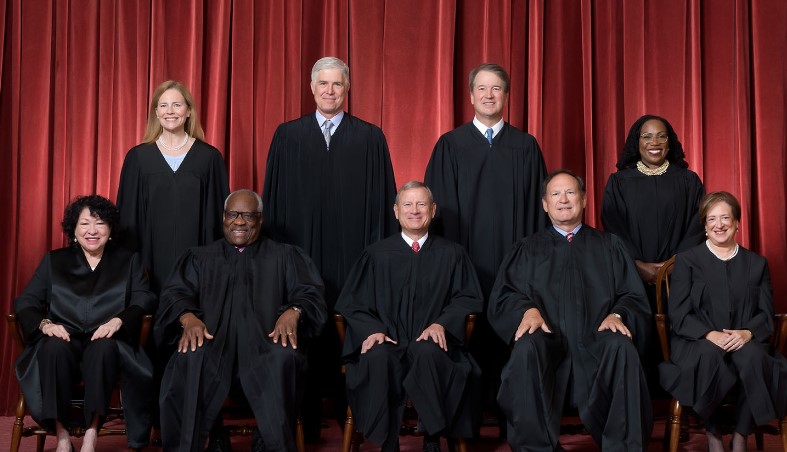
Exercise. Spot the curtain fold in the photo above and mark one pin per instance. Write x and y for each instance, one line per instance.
(76, 78)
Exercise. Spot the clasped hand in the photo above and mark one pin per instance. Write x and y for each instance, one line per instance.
(729, 340)
(105, 330)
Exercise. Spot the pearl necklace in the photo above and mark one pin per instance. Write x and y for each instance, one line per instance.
(652, 171)
(171, 148)
(734, 252)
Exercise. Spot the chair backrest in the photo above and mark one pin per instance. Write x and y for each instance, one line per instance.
(662, 294)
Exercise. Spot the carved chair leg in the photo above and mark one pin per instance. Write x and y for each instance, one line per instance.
(19, 423)
(783, 432)
(673, 419)
(300, 439)
(758, 440)
(349, 431)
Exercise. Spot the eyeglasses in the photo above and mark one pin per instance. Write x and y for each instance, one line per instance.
(231, 215)
(660, 138)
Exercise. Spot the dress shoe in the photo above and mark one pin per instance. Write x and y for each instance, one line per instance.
(219, 442)
(257, 445)
(432, 443)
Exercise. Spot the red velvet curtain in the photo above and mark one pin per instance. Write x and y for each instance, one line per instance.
(76, 76)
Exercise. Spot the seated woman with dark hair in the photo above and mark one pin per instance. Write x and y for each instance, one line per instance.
(81, 314)
(721, 310)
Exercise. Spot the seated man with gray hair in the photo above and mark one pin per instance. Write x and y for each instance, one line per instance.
(405, 304)
(238, 310)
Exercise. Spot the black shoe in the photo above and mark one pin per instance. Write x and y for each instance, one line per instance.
(219, 442)
(432, 443)
(257, 445)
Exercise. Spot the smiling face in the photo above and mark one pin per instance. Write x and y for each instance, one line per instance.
(488, 97)
(172, 110)
(91, 233)
(721, 225)
(652, 150)
(242, 231)
(564, 202)
(415, 211)
(329, 89)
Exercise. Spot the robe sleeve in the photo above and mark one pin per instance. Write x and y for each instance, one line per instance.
(305, 290)
(274, 213)
(128, 202)
(386, 224)
(511, 295)
(441, 178)
(179, 295)
(614, 214)
(694, 231)
(218, 190)
(32, 305)
(140, 301)
(357, 304)
(685, 322)
(761, 323)
(631, 301)
(466, 298)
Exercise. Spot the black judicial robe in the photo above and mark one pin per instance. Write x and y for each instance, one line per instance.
(239, 297)
(163, 213)
(708, 294)
(65, 290)
(398, 292)
(574, 286)
(488, 197)
(655, 216)
(333, 203)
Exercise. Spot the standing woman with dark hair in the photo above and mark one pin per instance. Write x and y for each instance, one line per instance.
(172, 186)
(651, 203)
(81, 314)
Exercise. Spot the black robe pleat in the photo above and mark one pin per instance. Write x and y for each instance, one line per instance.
(65, 290)
(163, 213)
(708, 294)
(395, 291)
(655, 216)
(239, 296)
(332, 204)
(574, 286)
(488, 197)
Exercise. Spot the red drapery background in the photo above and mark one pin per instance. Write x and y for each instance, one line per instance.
(76, 76)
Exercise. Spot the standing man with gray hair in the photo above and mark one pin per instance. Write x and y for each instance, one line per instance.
(329, 185)
(486, 177)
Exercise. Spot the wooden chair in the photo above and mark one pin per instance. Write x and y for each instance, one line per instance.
(673, 423)
(19, 430)
(351, 440)
(234, 413)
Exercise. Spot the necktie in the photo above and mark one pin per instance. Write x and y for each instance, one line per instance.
(416, 247)
(489, 135)
(570, 237)
(327, 132)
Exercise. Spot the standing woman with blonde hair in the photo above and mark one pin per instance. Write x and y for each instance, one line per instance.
(171, 193)
(172, 186)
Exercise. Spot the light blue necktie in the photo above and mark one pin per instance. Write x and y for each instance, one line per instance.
(327, 132)
(489, 136)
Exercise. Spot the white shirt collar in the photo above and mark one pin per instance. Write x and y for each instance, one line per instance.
(410, 241)
(482, 127)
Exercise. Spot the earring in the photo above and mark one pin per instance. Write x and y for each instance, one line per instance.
(75, 239)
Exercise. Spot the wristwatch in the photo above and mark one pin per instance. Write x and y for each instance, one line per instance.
(297, 309)
(44, 323)
(618, 316)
